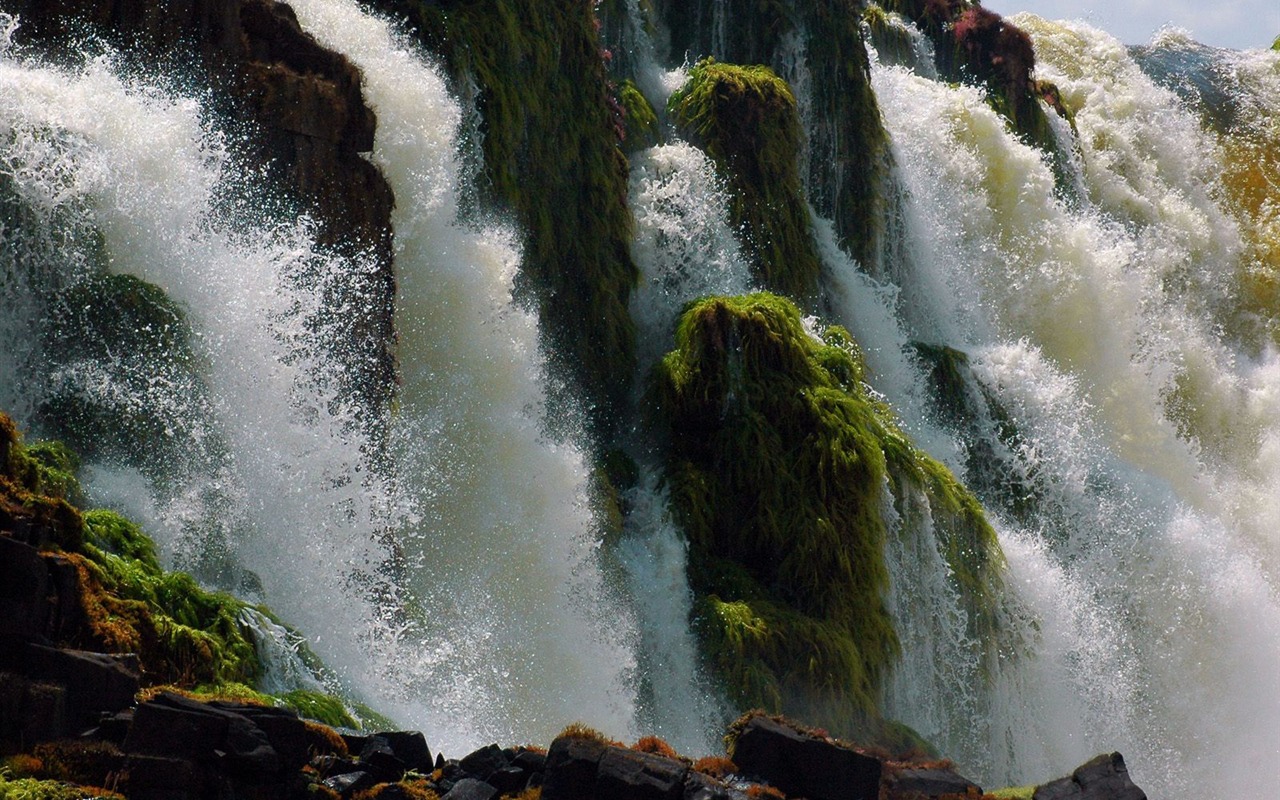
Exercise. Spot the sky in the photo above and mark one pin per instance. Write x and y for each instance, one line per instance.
(1238, 24)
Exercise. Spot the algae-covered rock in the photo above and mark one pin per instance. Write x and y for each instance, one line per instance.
(551, 152)
(127, 383)
(781, 466)
(818, 47)
(639, 118)
(745, 118)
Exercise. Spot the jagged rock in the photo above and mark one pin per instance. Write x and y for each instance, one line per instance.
(164, 778)
(703, 787)
(484, 762)
(629, 775)
(174, 726)
(804, 765)
(530, 761)
(411, 748)
(924, 783)
(471, 789)
(1104, 777)
(24, 591)
(508, 779)
(349, 783)
(96, 683)
(571, 768)
(380, 759)
(31, 711)
(285, 731)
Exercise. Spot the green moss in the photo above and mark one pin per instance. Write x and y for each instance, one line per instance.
(746, 119)
(320, 707)
(369, 720)
(778, 462)
(128, 331)
(551, 153)
(34, 489)
(847, 156)
(640, 119)
(894, 45)
(109, 531)
(31, 789)
(1014, 793)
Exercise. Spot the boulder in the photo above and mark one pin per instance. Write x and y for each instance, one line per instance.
(411, 748)
(484, 762)
(471, 789)
(96, 683)
(1104, 777)
(802, 764)
(630, 775)
(703, 787)
(572, 763)
(174, 726)
(349, 783)
(921, 783)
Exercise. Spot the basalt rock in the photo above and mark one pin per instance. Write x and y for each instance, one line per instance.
(802, 764)
(1104, 777)
(308, 125)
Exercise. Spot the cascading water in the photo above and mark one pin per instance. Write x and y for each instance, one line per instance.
(1140, 584)
(453, 584)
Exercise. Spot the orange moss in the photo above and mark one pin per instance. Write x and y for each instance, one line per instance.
(22, 765)
(758, 791)
(534, 793)
(112, 624)
(410, 790)
(322, 739)
(652, 744)
(578, 730)
(717, 767)
(78, 761)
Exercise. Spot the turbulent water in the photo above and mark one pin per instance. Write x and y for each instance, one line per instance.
(1112, 315)
(1101, 320)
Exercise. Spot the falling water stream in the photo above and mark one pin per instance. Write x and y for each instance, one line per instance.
(457, 581)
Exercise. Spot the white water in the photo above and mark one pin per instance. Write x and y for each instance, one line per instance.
(1143, 586)
(489, 619)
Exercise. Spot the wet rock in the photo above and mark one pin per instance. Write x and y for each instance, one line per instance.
(177, 727)
(97, 683)
(804, 765)
(411, 748)
(349, 783)
(285, 731)
(165, 778)
(571, 768)
(924, 783)
(484, 762)
(703, 787)
(471, 789)
(629, 775)
(1104, 777)
(530, 761)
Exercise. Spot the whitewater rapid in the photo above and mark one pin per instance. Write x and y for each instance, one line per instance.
(1141, 591)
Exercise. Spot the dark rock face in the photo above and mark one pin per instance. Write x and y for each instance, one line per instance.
(308, 121)
(930, 782)
(804, 765)
(1104, 777)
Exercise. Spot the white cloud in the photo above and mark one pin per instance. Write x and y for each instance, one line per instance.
(1240, 24)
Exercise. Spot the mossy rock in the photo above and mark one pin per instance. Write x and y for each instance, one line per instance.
(127, 333)
(779, 458)
(320, 707)
(551, 152)
(846, 159)
(32, 789)
(639, 118)
(34, 489)
(745, 118)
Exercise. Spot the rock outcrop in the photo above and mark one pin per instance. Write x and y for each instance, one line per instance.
(307, 125)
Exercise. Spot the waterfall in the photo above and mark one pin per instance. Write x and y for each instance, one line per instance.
(1140, 587)
(453, 583)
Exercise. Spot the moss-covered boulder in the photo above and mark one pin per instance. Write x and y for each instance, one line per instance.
(127, 383)
(818, 46)
(745, 118)
(781, 468)
(640, 120)
(551, 153)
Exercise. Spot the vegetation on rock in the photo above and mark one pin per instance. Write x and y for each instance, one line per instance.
(551, 152)
(746, 119)
(779, 463)
(846, 158)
